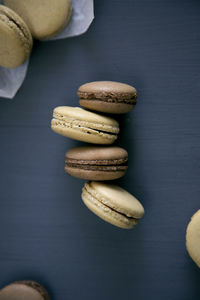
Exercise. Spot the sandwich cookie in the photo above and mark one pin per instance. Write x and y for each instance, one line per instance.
(15, 39)
(96, 163)
(24, 290)
(45, 18)
(193, 238)
(82, 125)
(112, 204)
(108, 96)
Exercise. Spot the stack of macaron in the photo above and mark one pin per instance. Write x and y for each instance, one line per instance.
(103, 162)
(23, 20)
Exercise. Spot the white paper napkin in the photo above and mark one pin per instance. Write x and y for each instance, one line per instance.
(82, 17)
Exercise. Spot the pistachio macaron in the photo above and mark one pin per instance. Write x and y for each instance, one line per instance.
(193, 238)
(45, 18)
(15, 39)
(108, 96)
(24, 290)
(112, 204)
(82, 125)
(96, 163)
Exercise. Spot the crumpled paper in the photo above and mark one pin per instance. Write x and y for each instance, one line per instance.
(82, 17)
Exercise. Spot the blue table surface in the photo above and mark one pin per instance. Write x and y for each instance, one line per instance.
(47, 234)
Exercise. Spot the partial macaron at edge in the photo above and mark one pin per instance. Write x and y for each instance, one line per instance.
(193, 238)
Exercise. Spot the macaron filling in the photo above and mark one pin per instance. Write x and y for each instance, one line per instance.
(100, 165)
(111, 98)
(107, 207)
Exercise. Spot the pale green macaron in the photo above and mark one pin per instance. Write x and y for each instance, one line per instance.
(15, 39)
(193, 238)
(45, 18)
(112, 204)
(82, 125)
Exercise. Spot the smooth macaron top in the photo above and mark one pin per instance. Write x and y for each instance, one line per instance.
(193, 238)
(24, 290)
(107, 89)
(15, 38)
(116, 198)
(45, 18)
(97, 154)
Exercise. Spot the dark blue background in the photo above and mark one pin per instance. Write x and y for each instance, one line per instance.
(46, 232)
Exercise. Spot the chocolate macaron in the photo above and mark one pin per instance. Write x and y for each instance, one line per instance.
(108, 96)
(24, 290)
(96, 163)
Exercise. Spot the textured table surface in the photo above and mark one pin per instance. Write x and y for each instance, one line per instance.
(46, 232)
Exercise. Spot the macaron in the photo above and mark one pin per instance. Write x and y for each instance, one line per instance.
(15, 39)
(45, 18)
(112, 204)
(108, 96)
(96, 163)
(82, 125)
(193, 238)
(24, 290)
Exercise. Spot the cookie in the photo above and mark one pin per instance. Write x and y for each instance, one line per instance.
(45, 18)
(24, 290)
(96, 163)
(193, 238)
(15, 39)
(112, 204)
(82, 125)
(108, 96)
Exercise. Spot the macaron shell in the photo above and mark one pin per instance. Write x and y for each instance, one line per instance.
(15, 39)
(97, 153)
(117, 198)
(104, 88)
(45, 18)
(77, 113)
(94, 174)
(106, 213)
(193, 238)
(83, 134)
(108, 107)
(18, 291)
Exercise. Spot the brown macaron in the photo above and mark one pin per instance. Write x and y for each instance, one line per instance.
(96, 163)
(108, 96)
(24, 290)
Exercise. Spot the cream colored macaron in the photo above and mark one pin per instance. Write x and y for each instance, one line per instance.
(193, 238)
(15, 39)
(82, 125)
(112, 204)
(45, 18)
